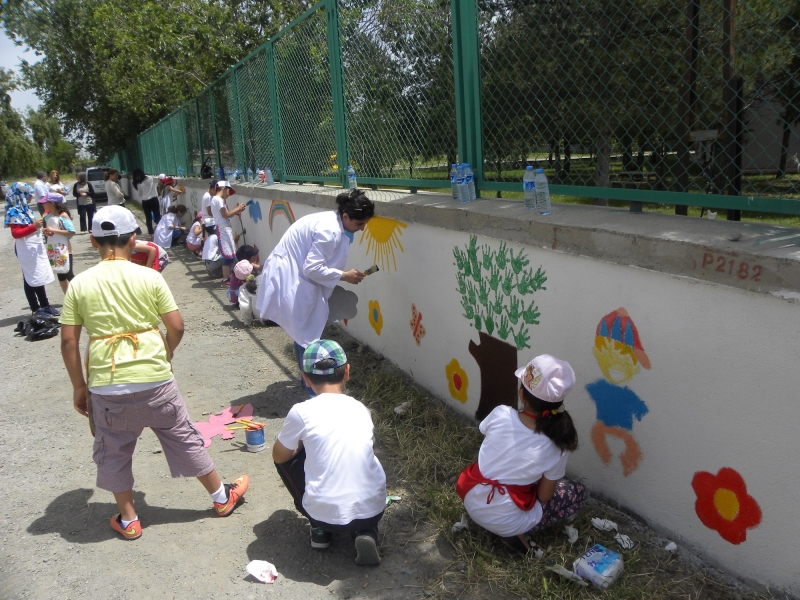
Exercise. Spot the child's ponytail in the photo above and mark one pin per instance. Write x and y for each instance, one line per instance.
(553, 421)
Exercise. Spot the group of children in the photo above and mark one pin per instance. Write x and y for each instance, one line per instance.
(324, 451)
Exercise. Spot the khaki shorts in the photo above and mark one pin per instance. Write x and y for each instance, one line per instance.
(120, 420)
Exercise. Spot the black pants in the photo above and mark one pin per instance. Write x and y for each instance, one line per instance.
(37, 296)
(152, 213)
(69, 275)
(294, 478)
(86, 211)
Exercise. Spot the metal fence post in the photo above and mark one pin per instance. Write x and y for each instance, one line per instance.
(238, 120)
(466, 58)
(337, 88)
(275, 113)
(214, 125)
(199, 133)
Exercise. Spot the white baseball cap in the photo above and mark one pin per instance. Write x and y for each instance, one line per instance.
(121, 221)
(547, 378)
(224, 183)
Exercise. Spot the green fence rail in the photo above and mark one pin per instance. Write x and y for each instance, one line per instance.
(682, 102)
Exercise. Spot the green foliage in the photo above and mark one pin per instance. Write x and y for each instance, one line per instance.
(506, 277)
(111, 68)
(19, 156)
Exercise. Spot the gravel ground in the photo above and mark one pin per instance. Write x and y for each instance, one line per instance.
(55, 540)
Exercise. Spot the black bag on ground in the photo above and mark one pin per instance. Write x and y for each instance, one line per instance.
(38, 328)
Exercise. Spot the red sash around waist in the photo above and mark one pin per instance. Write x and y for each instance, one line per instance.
(524, 496)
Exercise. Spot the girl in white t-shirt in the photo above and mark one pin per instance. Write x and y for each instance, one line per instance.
(516, 487)
(195, 236)
(169, 228)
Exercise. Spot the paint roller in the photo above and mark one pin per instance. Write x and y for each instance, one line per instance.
(371, 270)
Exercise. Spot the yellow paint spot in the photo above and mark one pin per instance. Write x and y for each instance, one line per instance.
(726, 503)
(616, 360)
(383, 239)
(457, 381)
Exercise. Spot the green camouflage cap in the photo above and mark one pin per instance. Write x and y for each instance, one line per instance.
(323, 357)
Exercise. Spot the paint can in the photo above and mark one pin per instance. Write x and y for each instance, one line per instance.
(600, 566)
(255, 439)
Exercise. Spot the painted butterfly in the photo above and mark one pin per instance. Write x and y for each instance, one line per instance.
(417, 329)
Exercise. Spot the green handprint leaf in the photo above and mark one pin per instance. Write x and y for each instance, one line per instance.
(487, 255)
(460, 259)
(521, 338)
(501, 259)
(477, 321)
(483, 294)
(508, 284)
(494, 280)
(469, 311)
(531, 314)
(489, 323)
(462, 283)
(471, 293)
(504, 330)
(518, 263)
(513, 310)
(497, 305)
(538, 281)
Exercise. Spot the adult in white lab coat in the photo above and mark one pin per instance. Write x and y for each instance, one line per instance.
(305, 266)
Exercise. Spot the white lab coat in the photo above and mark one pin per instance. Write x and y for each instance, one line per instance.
(300, 275)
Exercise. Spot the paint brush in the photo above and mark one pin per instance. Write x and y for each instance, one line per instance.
(371, 270)
(238, 410)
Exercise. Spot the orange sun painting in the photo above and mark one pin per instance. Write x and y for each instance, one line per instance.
(383, 239)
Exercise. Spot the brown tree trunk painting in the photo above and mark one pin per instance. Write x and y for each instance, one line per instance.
(497, 361)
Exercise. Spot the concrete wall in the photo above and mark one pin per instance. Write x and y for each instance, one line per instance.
(687, 395)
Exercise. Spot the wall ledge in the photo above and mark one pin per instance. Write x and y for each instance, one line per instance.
(751, 256)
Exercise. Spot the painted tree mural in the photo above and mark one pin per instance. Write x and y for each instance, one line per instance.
(496, 290)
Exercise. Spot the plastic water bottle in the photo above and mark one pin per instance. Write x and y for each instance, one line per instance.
(249, 174)
(270, 178)
(221, 173)
(529, 188)
(542, 193)
(228, 173)
(180, 172)
(470, 177)
(461, 185)
(453, 184)
(351, 177)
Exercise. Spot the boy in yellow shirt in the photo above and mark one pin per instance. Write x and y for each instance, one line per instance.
(130, 382)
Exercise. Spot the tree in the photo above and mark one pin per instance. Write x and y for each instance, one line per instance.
(19, 156)
(117, 67)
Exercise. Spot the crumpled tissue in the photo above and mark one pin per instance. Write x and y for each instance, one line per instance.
(461, 525)
(401, 409)
(605, 525)
(671, 547)
(566, 574)
(262, 570)
(572, 534)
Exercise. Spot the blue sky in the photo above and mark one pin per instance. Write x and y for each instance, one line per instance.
(10, 57)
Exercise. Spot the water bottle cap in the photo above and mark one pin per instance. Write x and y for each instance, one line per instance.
(540, 170)
(466, 164)
(454, 165)
(529, 168)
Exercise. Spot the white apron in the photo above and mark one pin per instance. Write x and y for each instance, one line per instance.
(300, 276)
(163, 234)
(32, 257)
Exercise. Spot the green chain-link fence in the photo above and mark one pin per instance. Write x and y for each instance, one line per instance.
(684, 102)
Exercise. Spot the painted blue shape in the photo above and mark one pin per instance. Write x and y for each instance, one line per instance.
(350, 236)
(254, 210)
(603, 329)
(375, 314)
(628, 336)
(616, 330)
(616, 405)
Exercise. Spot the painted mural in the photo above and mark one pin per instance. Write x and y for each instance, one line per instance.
(724, 505)
(620, 356)
(383, 241)
(417, 328)
(496, 290)
(279, 207)
(254, 210)
(375, 316)
(457, 381)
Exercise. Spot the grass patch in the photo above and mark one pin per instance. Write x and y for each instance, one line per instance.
(430, 445)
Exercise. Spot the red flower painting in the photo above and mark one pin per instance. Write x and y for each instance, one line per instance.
(724, 505)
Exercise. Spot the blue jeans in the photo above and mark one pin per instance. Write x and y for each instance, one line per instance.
(298, 355)
(176, 233)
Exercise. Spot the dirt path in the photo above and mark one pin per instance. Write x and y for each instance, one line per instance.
(55, 541)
